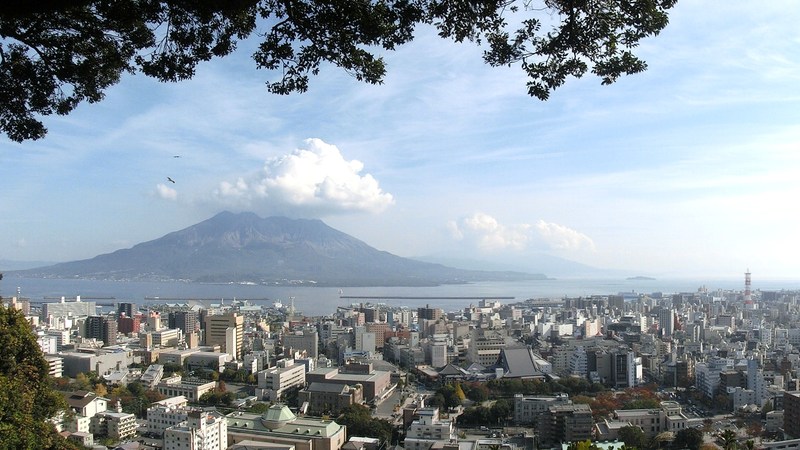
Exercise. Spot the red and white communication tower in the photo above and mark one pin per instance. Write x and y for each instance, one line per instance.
(748, 297)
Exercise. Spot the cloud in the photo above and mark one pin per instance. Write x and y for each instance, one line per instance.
(490, 235)
(314, 180)
(166, 192)
(563, 238)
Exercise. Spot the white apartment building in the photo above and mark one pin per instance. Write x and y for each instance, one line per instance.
(273, 382)
(62, 337)
(55, 366)
(578, 362)
(169, 337)
(117, 425)
(166, 413)
(202, 430)
(707, 374)
(48, 344)
(429, 429)
(438, 353)
(364, 340)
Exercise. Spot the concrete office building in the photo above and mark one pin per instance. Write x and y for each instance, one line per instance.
(66, 309)
(186, 321)
(306, 340)
(190, 388)
(273, 382)
(375, 382)
(527, 408)
(423, 433)
(217, 332)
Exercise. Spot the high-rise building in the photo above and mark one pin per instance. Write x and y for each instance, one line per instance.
(791, 414)
(428, 313)
(565, 423)
(306, 339)
(666, 321)
(216, 332)
(623, 369)
(185, 321)
(127, 324)
(129, 309)
(101, 328)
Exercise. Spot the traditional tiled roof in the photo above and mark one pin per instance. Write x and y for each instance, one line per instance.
(518, 363)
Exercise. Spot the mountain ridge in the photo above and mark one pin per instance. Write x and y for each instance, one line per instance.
(243, 247)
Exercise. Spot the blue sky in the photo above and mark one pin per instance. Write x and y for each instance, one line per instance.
(691, 168)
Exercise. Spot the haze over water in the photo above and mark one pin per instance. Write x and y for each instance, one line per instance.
(323, 300)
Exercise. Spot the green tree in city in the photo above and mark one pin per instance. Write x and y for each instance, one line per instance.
(729, 440)
(57, 54)
(500, 411)
(691, 438)
(359, 422)
(633, 436)
(27, 400)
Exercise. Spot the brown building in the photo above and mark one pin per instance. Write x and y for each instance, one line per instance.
(330, 399)
(565, 423)
(428, 313)
(791, 414)
(380, 329)
(732, 379)
(127, 325)
(375, 382)
(102, 328)
(216, 332)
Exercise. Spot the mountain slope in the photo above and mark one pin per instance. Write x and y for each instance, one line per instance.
(246, 248)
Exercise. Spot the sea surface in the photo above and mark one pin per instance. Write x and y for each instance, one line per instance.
(318, 301)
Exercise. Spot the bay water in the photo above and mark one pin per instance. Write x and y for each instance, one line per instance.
(319, 301)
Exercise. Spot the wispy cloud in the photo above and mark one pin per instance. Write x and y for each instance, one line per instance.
(489, 235)
(311, 181)
(166, 192)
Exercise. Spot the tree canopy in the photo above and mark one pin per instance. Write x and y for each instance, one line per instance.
(690, 438)
(359, 422)
(26, 399)
(56, 54)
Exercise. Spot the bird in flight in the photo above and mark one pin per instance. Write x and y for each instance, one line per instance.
(171, 180)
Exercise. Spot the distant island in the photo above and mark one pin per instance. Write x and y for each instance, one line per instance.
(640, 278)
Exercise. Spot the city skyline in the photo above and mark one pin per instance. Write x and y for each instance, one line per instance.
(687, 168)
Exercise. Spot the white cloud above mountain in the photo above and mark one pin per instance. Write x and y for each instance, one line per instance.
(314, 180)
